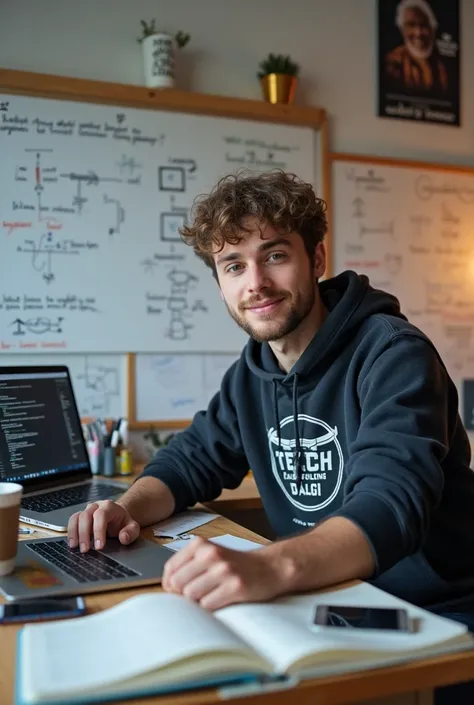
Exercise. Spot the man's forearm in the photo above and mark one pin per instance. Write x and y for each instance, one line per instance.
(148, 500)
(333, 552)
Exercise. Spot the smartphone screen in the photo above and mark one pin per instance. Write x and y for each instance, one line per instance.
(348, 617)
(42, 608)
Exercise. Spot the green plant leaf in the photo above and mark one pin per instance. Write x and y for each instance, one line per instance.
(181, 39)
(278, 63)
(148, 29)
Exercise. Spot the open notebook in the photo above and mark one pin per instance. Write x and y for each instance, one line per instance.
(159, 643)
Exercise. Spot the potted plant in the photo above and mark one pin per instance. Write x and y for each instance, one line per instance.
(155, 441)
(159, 54)
(278, 77)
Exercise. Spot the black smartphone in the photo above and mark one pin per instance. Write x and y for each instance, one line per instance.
(350, 617)
(38, 610)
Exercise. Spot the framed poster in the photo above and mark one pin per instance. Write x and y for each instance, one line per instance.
(419, 60)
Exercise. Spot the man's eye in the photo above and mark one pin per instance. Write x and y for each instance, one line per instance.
(233, 269)
(276, 256)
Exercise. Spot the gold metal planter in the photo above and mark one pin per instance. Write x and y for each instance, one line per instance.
(278, 87)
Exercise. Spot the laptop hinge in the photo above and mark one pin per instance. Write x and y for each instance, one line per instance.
(50, 484)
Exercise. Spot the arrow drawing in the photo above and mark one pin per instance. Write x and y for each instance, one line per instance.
(88, 179)
(190, 163)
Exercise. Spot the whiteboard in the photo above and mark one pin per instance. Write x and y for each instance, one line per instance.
(410, 229)
(99, 381)
(91, 199)
(175, 387)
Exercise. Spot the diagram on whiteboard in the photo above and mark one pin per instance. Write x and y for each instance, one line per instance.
(410, 233)
(47, 248)
(37, 326)
(119, 214)
(178, 305)
(93, 200)
(100, 388)
(380, 229)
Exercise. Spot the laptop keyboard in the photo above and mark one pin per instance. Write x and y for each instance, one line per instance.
(58, 499)
(87, 567)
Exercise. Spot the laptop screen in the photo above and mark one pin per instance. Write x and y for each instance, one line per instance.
(40, 428)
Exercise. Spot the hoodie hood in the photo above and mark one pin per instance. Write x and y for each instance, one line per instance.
(350, 300)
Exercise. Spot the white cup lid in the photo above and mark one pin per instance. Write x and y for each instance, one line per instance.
(10, 494)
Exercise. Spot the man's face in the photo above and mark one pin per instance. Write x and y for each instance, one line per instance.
(268, 282)
(417, 32)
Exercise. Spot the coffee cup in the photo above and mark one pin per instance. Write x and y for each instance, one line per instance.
(10, 498)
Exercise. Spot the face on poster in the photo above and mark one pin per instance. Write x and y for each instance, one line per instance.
(418, 60)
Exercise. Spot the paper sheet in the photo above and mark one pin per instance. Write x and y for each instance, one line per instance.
(182, 523)
(226, 540)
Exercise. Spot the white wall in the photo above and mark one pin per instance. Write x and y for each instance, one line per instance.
(333, 40)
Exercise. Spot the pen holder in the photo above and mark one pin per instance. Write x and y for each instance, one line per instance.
(94, 456)
(109, 461)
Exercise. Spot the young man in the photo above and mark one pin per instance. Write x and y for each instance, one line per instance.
(343, 410)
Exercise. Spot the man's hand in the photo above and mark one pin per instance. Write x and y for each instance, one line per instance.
(216, 576)
(101, 519)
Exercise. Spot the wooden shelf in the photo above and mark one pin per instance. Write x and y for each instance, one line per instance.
(85, 90)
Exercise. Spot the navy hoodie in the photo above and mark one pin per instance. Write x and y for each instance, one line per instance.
(364, 426)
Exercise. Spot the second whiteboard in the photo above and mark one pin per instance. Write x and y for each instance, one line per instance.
(175, 387)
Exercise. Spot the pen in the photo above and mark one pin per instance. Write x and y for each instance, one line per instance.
(26, 531)
(165, 536)
(123, 431)
(114, 438)
(183, 537)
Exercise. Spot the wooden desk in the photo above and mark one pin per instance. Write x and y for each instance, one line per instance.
(102, 600)
(360, 687)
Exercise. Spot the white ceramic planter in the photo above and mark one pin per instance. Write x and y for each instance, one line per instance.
(158, 60)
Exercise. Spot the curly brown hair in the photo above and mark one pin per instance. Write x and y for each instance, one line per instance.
(278, 198)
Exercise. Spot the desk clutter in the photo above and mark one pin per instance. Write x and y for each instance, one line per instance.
(182, 523)
(107, 447)
(179, 646)
(227, 540)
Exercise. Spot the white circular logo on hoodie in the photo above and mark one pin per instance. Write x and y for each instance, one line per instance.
(321, 462)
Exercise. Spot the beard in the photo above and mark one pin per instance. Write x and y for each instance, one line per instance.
(270, 327)
(420, 53)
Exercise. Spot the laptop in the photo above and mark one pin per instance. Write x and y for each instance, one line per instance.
(48, 567)
(42, 446)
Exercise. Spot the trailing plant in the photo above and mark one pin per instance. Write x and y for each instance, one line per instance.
(153, 438)
(181, 39)
(149, 29)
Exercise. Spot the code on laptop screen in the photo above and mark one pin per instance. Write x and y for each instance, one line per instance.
(40, 432)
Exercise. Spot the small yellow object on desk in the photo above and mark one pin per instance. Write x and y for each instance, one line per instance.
(125, 464)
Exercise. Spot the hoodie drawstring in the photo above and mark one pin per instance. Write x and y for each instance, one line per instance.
(297, 453)
(275, 408)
